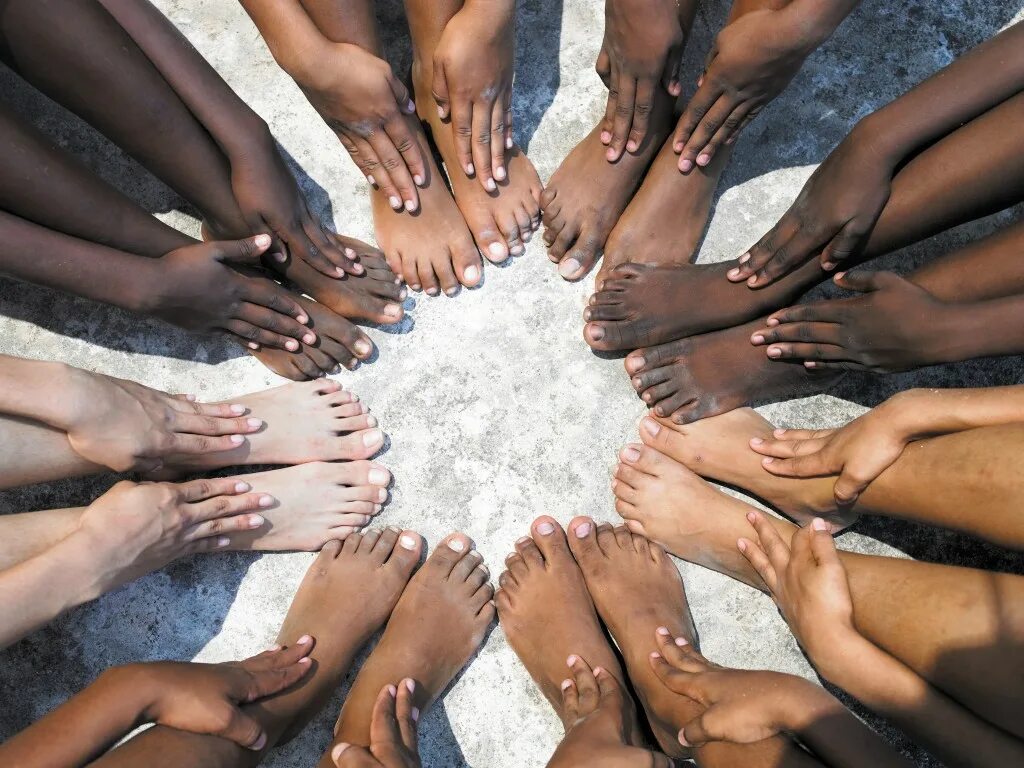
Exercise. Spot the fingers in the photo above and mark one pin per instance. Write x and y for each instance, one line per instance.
(851, 483)
(198, 490)
(585, 682)
(678, 652)
(365, 158)
(570, 700)
(283, 668)
(499, 130)
(250, 324)
(247, 251)
(772, 259)
(462, 130)
(622, 120)
(700, 103)
(770, 541)
(225, 507)
(788, 448)
(397, 184)
(273, 321)
(383, 723)
(193, 424)
(402, 137)
(200, 445)
(306, 240)
(641, 114)
(695, 152)
(699, 731)
(244, 731)
(407, 713)
(482, 137)
(866, 282)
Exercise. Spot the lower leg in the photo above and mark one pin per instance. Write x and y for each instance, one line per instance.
(959, 628)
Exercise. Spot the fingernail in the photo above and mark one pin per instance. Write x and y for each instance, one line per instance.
(828, 266)
(597, 671)
(350, 253)
(411, 685)
(309, 338)
(236, 409)
(703, 159)
(489, 185)
(260, 743)
(280, 257)
(372, 437)
(338, 750)
(378, 477)
(470, 169)
(373, 182)
(410, 205)
(499, 173)
(255, 521)
(734, 272)
(650, 426)
(545, 529)
(303, 318)
(573, 658)
(242, 487)
(819, 525)
(630, 454)
(610, 154)
(681, 641)
(663, 631)
(774, 352)
(569, 267)
(410, 107)
(582, 530)
(631, 146)
(566, 685)
(291, 344)
(508, 143)
(685, 165)
(415, 714)
(458, 545)
(605, 137)
(744, 258)
(303, 640)
(266, 500)
(757, 338)
(262, 240)
(440, 111)
(396, 202)
(223, 541)
(682, 739)
(756, 441)
(237, 439)
(471, 275)
(418, 180)
(408, 542)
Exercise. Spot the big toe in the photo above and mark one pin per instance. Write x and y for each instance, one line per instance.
(550, 539)
(449, 552)
(581, 258)
(583, 539)
(405, 553)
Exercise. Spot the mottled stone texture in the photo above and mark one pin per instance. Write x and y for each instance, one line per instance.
(496, 409)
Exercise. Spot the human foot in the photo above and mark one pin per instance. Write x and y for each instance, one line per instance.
(705, 375)
(587, 194)
(431, 247)
(338, 343)
(436, 627)
(718, 448)
(311, 421)
(547, 613)
(636, 589)
(665, 220)
(639, 305)
(346, 596)
(503, 219)
(313, 503)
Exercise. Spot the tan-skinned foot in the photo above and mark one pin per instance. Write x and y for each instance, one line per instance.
(503, 220)
(586, 195)
(313, 504)
(312, 421)
(437, 625)
(368, 571)
(547, 614)
(718, 448)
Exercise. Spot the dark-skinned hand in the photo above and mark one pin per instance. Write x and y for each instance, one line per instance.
(392, 733)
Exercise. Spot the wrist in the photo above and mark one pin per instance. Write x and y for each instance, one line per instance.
(839, 658)
(131, 688)
(804, 704)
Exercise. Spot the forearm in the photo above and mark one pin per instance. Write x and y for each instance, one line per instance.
(919, 413)
(37, 389)
(979, 80)
(37, 590)
(82, 728)
(290, 34)
(228, 119)
(41, 256)
(816, 20)
(942, 726)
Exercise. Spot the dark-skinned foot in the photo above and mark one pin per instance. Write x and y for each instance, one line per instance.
(706, 375)
(547, 614)
(587, 194)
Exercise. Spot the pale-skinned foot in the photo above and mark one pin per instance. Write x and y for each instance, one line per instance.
(437, 625)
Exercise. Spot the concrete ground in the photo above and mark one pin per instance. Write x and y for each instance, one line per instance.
(496, 409)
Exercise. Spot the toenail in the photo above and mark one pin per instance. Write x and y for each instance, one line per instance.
(223, 541)
(378, 476)
(432, 291)
(372, 437)
(382, 494)
(630, 453)
(496, 249)
(572, 660)
(819, 525)
(596, 332)
(408, 542)
(651, 427)
(545, 529)
(582, 530)
(516, 250)
(458, 545)
(569, 267)
(472, 274)
(363, 347)
(274, 647)
(522, 540)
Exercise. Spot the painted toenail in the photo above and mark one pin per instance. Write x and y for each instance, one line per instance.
(408, 542)
(651, 427)
(545, 529)
(472, 274)
(372, 437)
(378, 476)
(630, 454)
(568, 267)
(496, 249)
(457, 545)
(582, 530)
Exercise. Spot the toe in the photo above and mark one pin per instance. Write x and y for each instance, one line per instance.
(385, 543)
(481, 600)
(624, 491)
(507, 581)
(562, 242)
(623, 538)
(449, 552)
(644, 459)
(583, 539)
(329, 552)
(445, 271)
(407, 551)
(606, 537)
(360, 445)
(464, 567)
(369, 541)
(510, 231)
(515, 564)
(550, 539)
(466, 261)
(528, 550)
(478, 577)
(585, 253)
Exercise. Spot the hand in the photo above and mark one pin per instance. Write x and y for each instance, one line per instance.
(206, 698)
(195, 289)
(473, 68)
(893, 325)
(140, 527)
(392, 733)
(272, 202)
(807, 582)
(599, 735)
(126, 426)
(742, 706)
(858, 453)
(643, 42)
(832, 216)
(363, 102)
(751, 62)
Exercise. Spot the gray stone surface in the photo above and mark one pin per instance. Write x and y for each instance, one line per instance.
(496, 409)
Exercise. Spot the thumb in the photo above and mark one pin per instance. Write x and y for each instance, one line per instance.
(670, 77)
(247, 251)
(244, 731)
(700, 730)
(841, 247)
(823, 546)
(848, 487)
(862, 282)
(440, 90)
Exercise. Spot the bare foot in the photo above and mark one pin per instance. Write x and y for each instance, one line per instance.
(547, 614)
(644, 304)
(503, 220)
(338, 343)
(436, 627)
(346, 596)
(663, 500)
(587, 194)
(314, 503)
(636, 589)
(313, 421)
(666, 219)
(705, 375)
(718, 448)
(430, 247)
